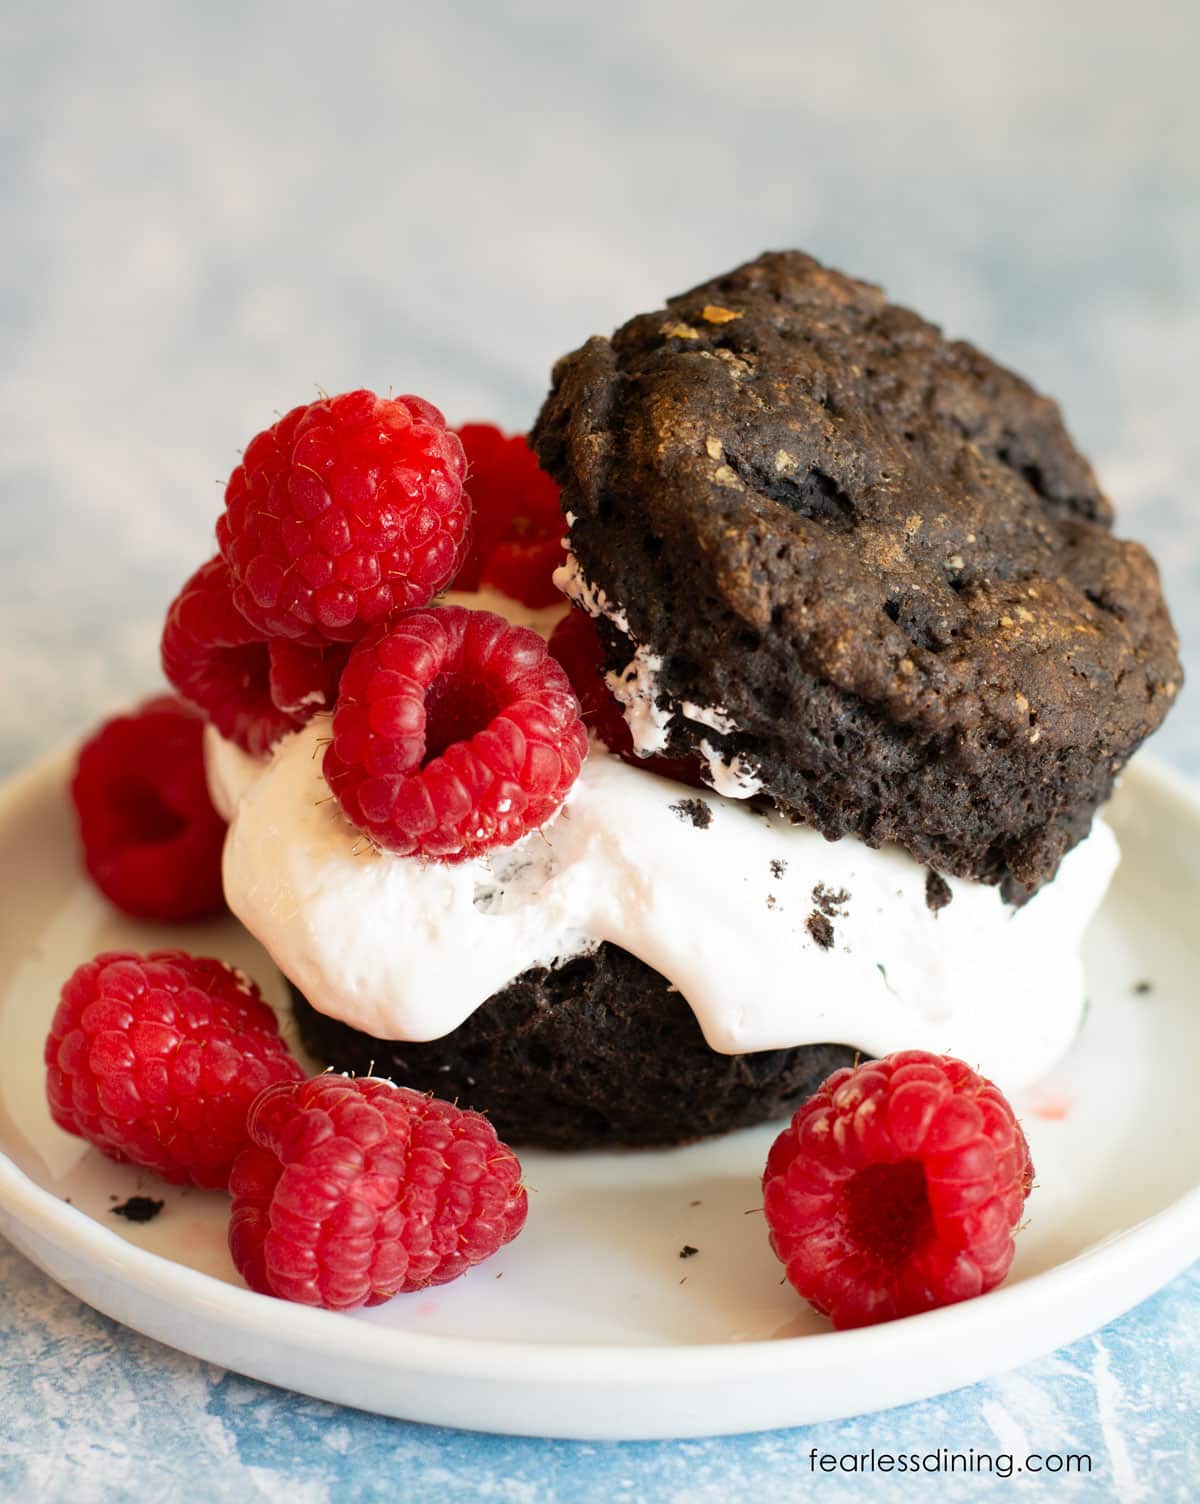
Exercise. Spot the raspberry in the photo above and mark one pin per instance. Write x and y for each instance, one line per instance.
(897, 1188)
(155, 1060)
(216, 659)
(516, 536)
(454, 732)
(357, 1190)
(151, 838)
(346, 510)
(253, 691)
(525, 571)
(575, 644)
(303, 680)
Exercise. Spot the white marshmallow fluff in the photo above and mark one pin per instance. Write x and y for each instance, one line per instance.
(731, 904)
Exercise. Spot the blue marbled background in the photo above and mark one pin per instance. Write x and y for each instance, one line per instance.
(207, 210)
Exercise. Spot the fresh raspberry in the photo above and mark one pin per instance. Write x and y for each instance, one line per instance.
(303, 680)
(516, 535)
(216, 659)
(155, 1060)
(346, 510)
(358, 1190)
(253, 691)
(524, 571)
(897, 1188)
(151, 838)
(454, 732)
(576, 645)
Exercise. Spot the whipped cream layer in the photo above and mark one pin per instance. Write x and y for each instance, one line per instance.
(406, 949)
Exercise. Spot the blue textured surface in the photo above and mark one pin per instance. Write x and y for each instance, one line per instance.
(209, 211)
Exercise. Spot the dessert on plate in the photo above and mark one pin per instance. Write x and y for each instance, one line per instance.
(856, 659)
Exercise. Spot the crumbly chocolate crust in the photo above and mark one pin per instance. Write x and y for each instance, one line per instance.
(937, 892)
(596, 1053)
(695, 811)
(138, 1209)
(819, 927)
(876, 552)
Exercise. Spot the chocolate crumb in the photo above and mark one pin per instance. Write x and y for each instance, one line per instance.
(820, 929)
(937, 891)
(138, 1209)
(770, 900)
(830, 902)
(1143, 987)
(688, 1252)
(694, 810)
(694, 1203)
(778, 867)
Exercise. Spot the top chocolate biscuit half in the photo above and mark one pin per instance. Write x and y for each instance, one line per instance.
(859, 567)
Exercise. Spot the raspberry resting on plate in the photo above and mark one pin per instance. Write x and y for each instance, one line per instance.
(517, 526)
(356, 1190)
(155, 1060)
(897, 1188)
(454, 732)
(346, 510)
(151, 838)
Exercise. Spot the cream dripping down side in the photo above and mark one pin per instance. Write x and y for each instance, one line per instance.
(406, 949)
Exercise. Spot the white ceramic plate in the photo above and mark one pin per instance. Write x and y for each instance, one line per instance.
(591, 1325)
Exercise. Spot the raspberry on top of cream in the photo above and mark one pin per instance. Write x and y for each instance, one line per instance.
(775, 936)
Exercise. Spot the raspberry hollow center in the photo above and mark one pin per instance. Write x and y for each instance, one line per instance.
(887, 1210)
(455, 709)
(141, 814)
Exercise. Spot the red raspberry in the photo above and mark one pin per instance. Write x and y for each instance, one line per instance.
(252, 691)
(151, 838)
(454, 732)
(304, 680)
(516, 535)
(525, 571)
(155, 1059)
(216, 659)
(897, 1188)
(576, 645)
(359, 1190)
(346, 510)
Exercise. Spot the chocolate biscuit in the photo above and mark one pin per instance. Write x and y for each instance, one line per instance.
(873, 561)
(599, 1052)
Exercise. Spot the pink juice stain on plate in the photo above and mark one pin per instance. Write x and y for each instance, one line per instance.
(1052, 1106)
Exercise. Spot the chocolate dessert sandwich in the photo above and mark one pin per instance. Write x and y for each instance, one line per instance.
(843, 660)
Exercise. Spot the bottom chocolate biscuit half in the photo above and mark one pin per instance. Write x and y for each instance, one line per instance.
(596, 1052)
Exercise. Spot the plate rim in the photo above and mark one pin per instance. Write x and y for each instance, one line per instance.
(1128, 1253)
